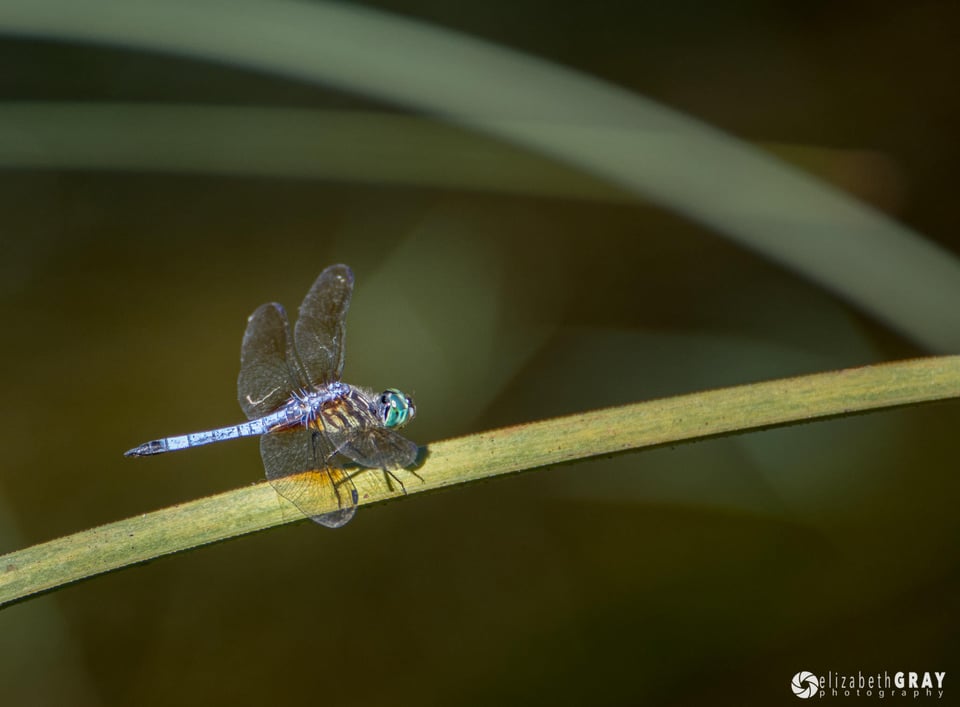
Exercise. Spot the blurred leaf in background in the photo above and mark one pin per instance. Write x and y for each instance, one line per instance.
(153, 198)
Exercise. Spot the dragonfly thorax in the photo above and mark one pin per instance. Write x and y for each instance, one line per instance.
(307, 402)
(391, 407)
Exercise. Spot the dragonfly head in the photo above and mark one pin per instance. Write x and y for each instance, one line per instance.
(395, 408)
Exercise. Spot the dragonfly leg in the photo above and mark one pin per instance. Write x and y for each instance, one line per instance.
(411, 471)
(345, 486)
(391, 478)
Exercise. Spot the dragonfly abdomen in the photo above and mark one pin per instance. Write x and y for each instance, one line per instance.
(198, 439)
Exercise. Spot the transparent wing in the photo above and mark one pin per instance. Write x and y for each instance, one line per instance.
(298, 465)
(268, 366)
(351, 428)
(321, 327)
(380, 449)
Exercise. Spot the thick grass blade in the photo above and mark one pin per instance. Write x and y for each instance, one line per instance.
(484, 455)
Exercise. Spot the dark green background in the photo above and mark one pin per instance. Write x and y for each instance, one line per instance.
(704, 574)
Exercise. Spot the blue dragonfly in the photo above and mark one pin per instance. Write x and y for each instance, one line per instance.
(308, 419)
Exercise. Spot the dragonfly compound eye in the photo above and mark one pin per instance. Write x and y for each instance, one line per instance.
(396, 409)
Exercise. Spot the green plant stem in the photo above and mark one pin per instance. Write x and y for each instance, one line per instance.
(487, 454)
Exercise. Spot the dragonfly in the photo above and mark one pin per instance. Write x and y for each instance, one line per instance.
(307, 418)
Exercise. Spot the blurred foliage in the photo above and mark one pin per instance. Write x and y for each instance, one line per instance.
(708, 573)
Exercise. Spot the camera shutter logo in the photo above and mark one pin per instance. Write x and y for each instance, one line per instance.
(805, 684)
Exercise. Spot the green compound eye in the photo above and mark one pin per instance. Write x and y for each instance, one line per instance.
(396, 409)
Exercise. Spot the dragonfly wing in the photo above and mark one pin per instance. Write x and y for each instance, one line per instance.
(321, 327)
(268, 365)
(298, 465)
(351, 427)
(380, 448)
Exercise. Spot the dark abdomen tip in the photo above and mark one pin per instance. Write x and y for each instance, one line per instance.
(147, 449)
